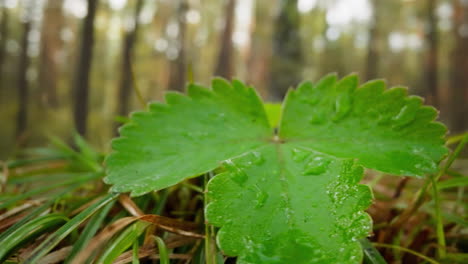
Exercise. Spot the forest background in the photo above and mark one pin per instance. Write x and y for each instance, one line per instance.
(84, 65)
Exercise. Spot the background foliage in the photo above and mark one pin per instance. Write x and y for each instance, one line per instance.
(56, 78)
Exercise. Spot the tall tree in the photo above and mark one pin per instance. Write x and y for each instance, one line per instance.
(51, 44)
(431, 57)
(126, 75)
(224, 64)
(286, 64)
(81, 81)
(373, 52)
(22, 82)
(3, 39)
(259, 52)
(459, 78)
(178, 67)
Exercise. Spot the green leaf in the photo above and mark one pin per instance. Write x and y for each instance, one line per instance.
(291, 197)
(273, 112)
(188, 136)
(282, 209)
(384, 129)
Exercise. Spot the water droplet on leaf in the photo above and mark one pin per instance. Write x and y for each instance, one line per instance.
(300, 155)
(261, 199)
(316, 166)
(313, 100)
(343, 106)
(239, 176)
(257, 158)
(318, 119)
(406, 115)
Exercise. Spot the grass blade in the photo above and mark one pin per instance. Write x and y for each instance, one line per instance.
(135, 258)
(441, 251)
(66, 229)
(371, 254)
(123, 242)
(29, 231)
(89, 231)
(452, 183)
(16, 198)
(39, 210)
(163, 254)
(428, 259)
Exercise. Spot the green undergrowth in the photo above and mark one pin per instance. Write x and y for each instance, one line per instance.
(56, 209)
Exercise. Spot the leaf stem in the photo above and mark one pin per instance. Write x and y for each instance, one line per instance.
(456, 138)
(439, 221)
(407, 250)
(210, 257)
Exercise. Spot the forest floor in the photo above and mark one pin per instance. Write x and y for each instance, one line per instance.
(54, 208)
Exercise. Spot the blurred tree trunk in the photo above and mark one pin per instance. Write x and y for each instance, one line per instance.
(23, 87)
(178, 67)
(81, 81)
(260, 48)
(431, 79)
(459, 79)
(373, 51)
(3, 40)
(224, 65)
(127, 81)
(51, 45)
(286, 64)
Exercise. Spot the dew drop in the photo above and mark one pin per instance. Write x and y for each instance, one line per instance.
(405, 116)
(425, 165)
(300, 155)
(229, 164)
(261, 199)
(195, 135)
(239, 176)
(311, 100)
(316, 166)
(318, 119)
(343, 106)
(373, 113)
(222, 116)
(257, 158)
(383, 119)
(187, 135)
(416, 150)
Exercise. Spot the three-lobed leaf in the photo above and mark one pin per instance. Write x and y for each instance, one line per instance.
(291, 197)
(188, 136)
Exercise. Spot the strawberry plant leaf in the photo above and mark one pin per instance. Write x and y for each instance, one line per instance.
(293, 197)
(384, 129)
(282, 204)
(187, 136)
